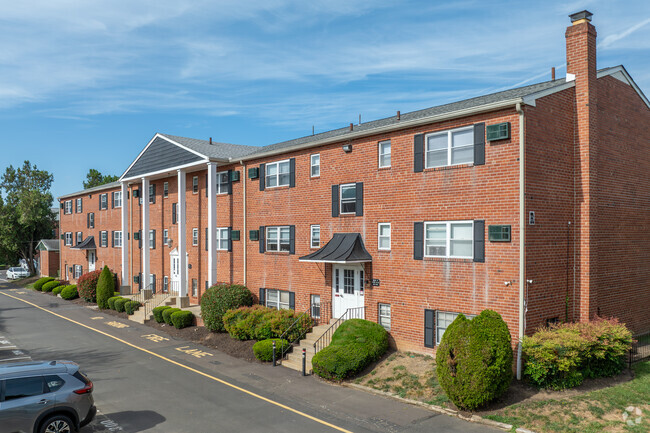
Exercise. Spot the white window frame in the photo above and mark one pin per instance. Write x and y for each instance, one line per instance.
(195, 237)
(151, 193)
(117, 199)
(152, 239)
(277, 175)
(78, 205)
(165, 189)
(383, 317)
(67, 207)
(68, 239)
(195, 185)
(312, 229)
(103, 201)
(78, 271)
(314, 163)
(79, 237)
(195, 287)
(222, 188)
(222, 236)
(278, 230)
(346, 185)
(313, 305)
(117, 239)
(449, 134)
(448, 315)
(103, 239)
(277, 303)
(165, 237)
(381, 151)
(379, 236)
(91, 219)
(165, 287)
(448, 239)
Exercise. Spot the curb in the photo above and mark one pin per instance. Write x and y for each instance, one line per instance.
(451, 412)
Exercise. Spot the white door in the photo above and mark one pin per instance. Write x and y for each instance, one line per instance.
(175, 271)
(347, 289)
(91, 260)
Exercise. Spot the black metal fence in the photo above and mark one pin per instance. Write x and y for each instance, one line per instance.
(640, 349)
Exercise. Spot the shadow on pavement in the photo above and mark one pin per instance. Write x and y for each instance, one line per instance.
(126, 421)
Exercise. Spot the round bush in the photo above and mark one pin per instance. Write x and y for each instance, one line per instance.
(131, 306)
(167, 315)
(263, 350)
(157, 313)
(119, 304)
(105, 288)
(111, 301)
(47, 287)
(38, 285)
(221, 298)
(474, 360)
(57, 290)
(182, 319)
(87, 285)
(355, 344)
(69, 292)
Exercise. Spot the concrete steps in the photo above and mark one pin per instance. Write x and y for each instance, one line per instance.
(157, 300)
(294, 358)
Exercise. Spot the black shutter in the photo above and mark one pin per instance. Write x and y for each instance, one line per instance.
(262, 235)
(479, 144)
(292, 172)
(153, 193)
(88, 221)
(113, 239)
(229, 181)
(112, 200)
(292, 300)
(154, 239)
(418, 240)
(206, 238)
(359, 204)
(173, 213)
(262, 177)
(229, 239)
(153, 284)
(292, 239)
(206, 184)
(100, 201)
(139, 238)
(262, 296)
(429, 329)
(418, 153)
(81, 206)
(335, 200)
(479, 241)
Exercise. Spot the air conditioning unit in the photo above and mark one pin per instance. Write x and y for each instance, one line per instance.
(253, 173)
(234, 235)
(254, 235)
(500, 131)
(234, 176)
(434, 250)
(136, 236)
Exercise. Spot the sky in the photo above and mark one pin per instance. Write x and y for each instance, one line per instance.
(86, 84)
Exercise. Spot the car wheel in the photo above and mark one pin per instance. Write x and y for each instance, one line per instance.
(58, 424)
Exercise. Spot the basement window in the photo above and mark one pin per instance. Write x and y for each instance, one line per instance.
(443, 320)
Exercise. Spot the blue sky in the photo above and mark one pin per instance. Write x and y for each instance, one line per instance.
(86, 84)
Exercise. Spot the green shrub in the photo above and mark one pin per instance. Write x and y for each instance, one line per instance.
(474, 360)
(221, 298)
(167, 315)
(263, 350)
(157, 313)
(355, 344)
(38, 285)
(57, 289)
(69, 292)
(111, 301)
(131, 307)
(119, 304)
(261, 323)
(87, 284)
(562, 356)
(47, 287)
(105, 288)
(182, 319)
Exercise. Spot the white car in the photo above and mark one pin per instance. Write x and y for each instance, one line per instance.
(15, 273)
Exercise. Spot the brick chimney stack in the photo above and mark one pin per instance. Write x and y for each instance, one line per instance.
(581, 66)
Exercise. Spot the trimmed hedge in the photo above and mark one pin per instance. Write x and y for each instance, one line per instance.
(69, 292)
(182, 319)
(87, 285)
(119, 304)
(562, 356)
(218, 299)
(111, 301)
(261, 323)
(355, 344)
(47, 287)
(474, 360)
(157, 313)
(131, 307)
(263, 350)
(105, 288)
(167, 315)
(38, 285)
(57, 290)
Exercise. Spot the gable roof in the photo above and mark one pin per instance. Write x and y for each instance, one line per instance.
(48, 245)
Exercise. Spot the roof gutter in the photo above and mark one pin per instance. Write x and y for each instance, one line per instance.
(381, 129)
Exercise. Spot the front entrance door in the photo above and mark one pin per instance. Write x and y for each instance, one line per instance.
(347, 289)
(175, 271)
(92, 258)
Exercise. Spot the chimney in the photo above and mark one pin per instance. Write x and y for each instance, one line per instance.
(581, 67)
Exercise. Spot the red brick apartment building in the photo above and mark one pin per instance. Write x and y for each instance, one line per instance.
(533, 202)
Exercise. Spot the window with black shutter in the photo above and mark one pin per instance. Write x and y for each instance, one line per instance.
(429, 328)
(292, 239)
(262, 239)
(418, 240)
(174, 213)
(262, 296)
(479, 241)
(262, 177)
(335, 200)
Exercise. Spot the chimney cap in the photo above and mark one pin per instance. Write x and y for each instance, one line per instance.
(582, 15)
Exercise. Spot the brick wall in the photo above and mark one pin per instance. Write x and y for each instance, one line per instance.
(49, 263)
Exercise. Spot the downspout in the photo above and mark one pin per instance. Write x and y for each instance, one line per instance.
(522, 237)
(244, 210)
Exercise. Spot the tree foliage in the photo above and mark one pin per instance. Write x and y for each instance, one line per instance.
(25, 215)
(95, 178)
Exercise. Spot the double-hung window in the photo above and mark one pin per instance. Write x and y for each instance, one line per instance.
(91, 220)
(443, 320)
(384, 154)
(278, 239)
(278, 174)
(383, 236)
(79, 206)
(117, 198)
(152, 193)
(453, 239)
(195, 237)
(278, 299)
(165, 237)
(384, 316)
(67, 207)
(165, 189)
(117, 239)
(195, 185)
(68, 238)
(103, 239)
(315, 165)
(103, 201)
(315, 236)
(77, 271)
(222, 182)
(222, 238)
(349, 198)
(79, 238)
(152, 239)
(451, 147)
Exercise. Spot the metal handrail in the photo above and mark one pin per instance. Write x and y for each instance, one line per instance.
(284, 350)
(162, 297)
(325, 339)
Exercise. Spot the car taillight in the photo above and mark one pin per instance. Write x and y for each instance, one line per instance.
(86, 389)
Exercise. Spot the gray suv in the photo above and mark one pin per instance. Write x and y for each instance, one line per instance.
(44, 397)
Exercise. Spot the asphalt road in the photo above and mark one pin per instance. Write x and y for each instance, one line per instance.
(149, 382)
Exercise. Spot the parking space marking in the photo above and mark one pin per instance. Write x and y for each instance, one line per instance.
(97, 317)
(155, 338)
(117, 325)
(188, 368)
(21, 293)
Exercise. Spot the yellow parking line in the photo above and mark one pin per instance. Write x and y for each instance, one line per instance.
(216, 379)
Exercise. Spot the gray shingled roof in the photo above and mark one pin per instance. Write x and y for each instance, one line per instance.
(50, 244)
(110, 185)
(214, 150)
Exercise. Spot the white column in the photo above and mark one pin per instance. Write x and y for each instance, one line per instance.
(212, 223)
(125, 236)
(182, 247)
(145, 232)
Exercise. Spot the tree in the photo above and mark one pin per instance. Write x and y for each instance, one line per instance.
(95, 178)
(25, 215)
